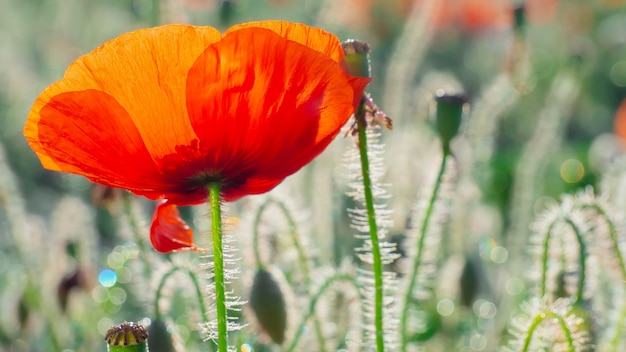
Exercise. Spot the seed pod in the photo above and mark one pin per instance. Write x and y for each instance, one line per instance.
(127, 337)
(448, 117)
(268, 303)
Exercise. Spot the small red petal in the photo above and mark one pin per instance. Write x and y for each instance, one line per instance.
(168, 232)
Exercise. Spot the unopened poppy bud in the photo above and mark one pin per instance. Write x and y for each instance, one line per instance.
(448, 117)
(160, 337)
(357, 58)
(519, 17)
(268, 303)
(127, 337)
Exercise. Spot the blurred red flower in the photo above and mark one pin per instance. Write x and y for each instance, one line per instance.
(164, 111)
(619, 123)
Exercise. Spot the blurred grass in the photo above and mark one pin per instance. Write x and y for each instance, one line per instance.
(39, 38)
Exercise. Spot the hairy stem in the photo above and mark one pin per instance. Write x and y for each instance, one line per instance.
(218, 266)
(408, 296)
(613, 237)
(373, 228)
(550, 315)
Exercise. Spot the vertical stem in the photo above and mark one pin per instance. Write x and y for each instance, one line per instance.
(420, 250)
(218, 266)
(371, 219)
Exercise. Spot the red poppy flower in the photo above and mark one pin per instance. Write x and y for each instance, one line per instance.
(163, 111)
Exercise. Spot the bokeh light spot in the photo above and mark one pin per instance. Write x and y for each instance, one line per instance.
(445, 307)
(478, 342)
(246, 347)
(107, 278)
(104, 325)
(499, 255)
(514, 286)
(618, 74)
(572, 171)
(116, 260)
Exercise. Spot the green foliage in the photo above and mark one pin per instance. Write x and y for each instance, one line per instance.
(540, 127)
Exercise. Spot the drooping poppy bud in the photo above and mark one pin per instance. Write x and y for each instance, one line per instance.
(127, 337)
(268, 303)
(448, 117)
(160, 337)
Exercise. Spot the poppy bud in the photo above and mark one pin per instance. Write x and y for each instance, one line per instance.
(268, 303)
(357, 58)
(127, 337)
(160, 337)
(448, 117)
(519, 17)
(74, 280)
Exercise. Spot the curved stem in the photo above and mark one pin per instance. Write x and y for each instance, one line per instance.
(582, 256)
(218, 267)
(408, 296)
(613, 237)
(196, 285)
(373, 227)
(255, 234)
(325, 285)
(302, 257)
(538, 319)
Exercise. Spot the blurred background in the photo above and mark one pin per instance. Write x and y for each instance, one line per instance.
(545, 82)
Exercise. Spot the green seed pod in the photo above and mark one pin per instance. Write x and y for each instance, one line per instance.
(448, 117)
(127, 337)
(357, 58)
(268, 303)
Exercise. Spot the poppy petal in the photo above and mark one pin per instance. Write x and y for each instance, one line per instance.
(115, 155)
(311, 37)
(145, 72)
(168, 232)
(278, 105)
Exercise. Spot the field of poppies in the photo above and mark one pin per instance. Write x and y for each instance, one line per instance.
(312, 175)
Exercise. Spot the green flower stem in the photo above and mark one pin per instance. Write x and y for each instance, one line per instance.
(348, 278)
(218, 267)
(142, 347)
(371, 219)
(196, 285)
(550, 315)
(544, 261)
(302, 257)
(582, 256)
(408, 296)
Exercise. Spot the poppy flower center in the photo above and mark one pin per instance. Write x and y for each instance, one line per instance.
(192, 167)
